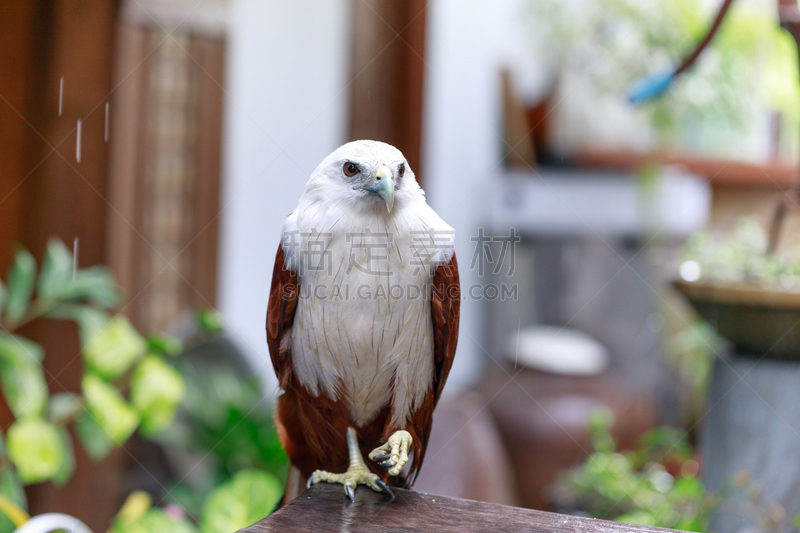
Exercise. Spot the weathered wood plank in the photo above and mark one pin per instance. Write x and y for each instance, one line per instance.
(324, 507)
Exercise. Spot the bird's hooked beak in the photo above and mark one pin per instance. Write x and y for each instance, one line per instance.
(382, 185)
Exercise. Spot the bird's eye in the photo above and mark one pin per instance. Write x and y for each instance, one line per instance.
(351, 169)
(401, 170)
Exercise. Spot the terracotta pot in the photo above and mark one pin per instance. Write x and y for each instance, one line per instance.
(542, 421)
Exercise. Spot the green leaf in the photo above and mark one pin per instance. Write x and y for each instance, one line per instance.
(56, 271)
(95, 441)
(166, 344)
(22, 377)
(209, 320)
(156, 391)
(135, 506)
(89, 319)
(22, 348)
(6, 525)
(36, 449)
(11, 488)
(63, 407)
(245, 499)
(690, 488)
(95, 284)
(20, 285)
(154, 521)
(117, 419)
(110, 350)
(67, 466)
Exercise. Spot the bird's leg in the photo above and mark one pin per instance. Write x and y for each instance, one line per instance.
(357, 473)
(393, 455)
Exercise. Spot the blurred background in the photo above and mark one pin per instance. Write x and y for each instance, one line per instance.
(628, 348)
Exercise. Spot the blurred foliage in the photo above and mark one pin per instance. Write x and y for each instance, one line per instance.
(130, 382)
(156, 389)
(38, 445)
(241, 501)
(210, 321)
(225, 424)
(227, 419)
(689, 352)
(750, 66)
(137, 516)
(739, 257)
(245, 499)
(658, 484)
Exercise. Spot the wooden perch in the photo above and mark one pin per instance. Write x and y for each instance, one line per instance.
(325, 508)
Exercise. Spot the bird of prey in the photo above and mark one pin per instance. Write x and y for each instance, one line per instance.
(362, 321)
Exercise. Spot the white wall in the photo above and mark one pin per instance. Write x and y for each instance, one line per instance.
(468, 42)
(286, 109)
(287, 106)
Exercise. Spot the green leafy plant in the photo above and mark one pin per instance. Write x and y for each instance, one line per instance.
(739, 257)
(690, 346)
(131, 382)
(224, 428)
(241, 501)
(657, 484)
(225, 420)
(127, 384)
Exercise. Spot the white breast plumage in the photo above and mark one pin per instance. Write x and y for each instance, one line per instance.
(362, 331)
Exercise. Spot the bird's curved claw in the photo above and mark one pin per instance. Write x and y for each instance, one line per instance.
(385, 488)
(350, 491)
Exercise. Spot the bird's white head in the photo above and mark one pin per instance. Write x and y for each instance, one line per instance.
(365, 174)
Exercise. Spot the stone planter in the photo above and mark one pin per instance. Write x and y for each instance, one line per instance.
(757, 320)
(752, 422)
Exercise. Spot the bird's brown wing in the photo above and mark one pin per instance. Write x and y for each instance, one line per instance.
(445, 313)
(311, 428)
(280, 315)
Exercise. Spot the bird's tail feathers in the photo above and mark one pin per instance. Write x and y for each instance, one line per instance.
(295, 485)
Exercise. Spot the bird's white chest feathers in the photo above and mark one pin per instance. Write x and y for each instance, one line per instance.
(362, 331)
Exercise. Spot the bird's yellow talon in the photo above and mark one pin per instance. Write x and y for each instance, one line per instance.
(357, 473)
(393, 455)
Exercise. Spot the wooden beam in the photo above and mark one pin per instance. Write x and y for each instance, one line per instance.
(52, 194)
(718, 172)
(17, 63)
(388, 66)
(324, 507)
